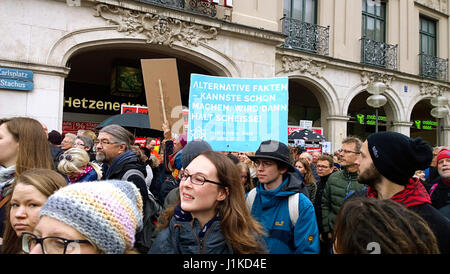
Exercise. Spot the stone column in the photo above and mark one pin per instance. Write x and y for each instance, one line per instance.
(403, 127)
(336, 130)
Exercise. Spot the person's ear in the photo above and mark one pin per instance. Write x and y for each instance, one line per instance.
(223, 194)
(123, 148)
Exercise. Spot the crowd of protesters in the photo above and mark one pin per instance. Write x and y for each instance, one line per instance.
(102, 193)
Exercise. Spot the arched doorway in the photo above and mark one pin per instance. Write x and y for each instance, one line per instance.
(363, 117)
(424, 125)
(93, 92)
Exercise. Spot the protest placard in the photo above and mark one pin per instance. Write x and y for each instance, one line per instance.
(162, 91)
(237, 114)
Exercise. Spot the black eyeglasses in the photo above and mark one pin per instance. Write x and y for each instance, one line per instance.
(68, 157)
(51, 244)
(197, 179)
(104, 142)
(348, 151)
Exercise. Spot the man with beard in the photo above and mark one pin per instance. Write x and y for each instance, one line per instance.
(440, 187)
(387, 163)
(340, 184)
(113, 149)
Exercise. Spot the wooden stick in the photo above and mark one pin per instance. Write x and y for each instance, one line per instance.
(162, 100)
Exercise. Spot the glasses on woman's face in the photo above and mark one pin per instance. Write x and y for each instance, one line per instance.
(197, 179)
(78, 145)
(51, 244)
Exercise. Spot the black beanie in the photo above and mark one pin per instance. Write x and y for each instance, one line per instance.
(397, 157)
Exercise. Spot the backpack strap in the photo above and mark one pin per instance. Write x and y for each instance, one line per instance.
(293, 207)
(5, 200)
(432, 189)
(250, 199)
(132, 172)
(292, 204)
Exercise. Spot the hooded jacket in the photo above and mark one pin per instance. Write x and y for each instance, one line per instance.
(416, 198)
(124, 162)
(271, 209)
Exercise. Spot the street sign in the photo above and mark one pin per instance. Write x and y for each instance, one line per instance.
(16, 79)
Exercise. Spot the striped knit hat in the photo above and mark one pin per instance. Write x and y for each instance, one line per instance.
(109, 213)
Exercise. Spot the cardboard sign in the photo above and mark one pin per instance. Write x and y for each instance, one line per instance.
(237, 114)
(162, 90)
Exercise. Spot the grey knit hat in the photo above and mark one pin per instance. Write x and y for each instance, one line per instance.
(109, 213)
(192, 150)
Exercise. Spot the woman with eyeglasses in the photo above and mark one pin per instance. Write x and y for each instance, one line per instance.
(211, 216)
(23, 146)
(87, 144)
(89, 218)
(74, 163)
(29, 193)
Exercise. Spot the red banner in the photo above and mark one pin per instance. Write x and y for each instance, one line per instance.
(74, 126)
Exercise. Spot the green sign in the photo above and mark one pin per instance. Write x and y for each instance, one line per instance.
(426, 125)
(369, 119)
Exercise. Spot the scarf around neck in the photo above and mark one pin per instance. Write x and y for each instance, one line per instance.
(413, 194)
(6, 179)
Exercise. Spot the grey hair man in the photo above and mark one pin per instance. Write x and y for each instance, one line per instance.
(113, 149)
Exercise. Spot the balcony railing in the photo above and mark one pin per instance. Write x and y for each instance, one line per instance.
(433, 67)
(305, 36)
(378, 54)
(196, 6)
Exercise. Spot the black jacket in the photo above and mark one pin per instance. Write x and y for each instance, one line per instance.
(122, 164)
(438, 224)
(318, 201)
(440, 196)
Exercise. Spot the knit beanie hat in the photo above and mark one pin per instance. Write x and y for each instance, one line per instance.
(109, 213)
(192, 150)
(397, 157)
(443, 153)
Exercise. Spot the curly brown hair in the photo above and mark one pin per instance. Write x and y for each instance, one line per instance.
(395, 228)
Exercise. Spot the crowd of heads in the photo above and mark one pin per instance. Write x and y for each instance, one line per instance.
(54, 185)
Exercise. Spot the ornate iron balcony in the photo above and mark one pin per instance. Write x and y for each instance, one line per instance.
(177, 4)
(196, 6)
(305, 36)
(433, 67)
(378, 54)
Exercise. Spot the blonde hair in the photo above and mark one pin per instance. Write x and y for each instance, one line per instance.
(79, 158)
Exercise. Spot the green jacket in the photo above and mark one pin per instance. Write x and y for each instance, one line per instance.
(338, 186)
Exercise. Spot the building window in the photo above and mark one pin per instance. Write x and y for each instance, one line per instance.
(374, 20)
(427, 36)
(431, 66)
(303, 10)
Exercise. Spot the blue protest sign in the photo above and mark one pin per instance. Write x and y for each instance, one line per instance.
(237, 114)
